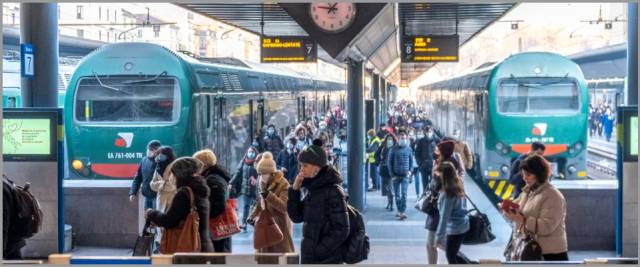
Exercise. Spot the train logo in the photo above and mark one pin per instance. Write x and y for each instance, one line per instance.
(124, 140)
(539, 129)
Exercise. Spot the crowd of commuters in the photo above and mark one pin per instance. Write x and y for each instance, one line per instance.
(601, 120)
(294, 179)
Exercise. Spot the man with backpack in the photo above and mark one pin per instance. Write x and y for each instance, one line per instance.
(21, 218)
(333, 231)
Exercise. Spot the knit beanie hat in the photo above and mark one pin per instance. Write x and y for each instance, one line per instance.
(207, 157)
(446, 148)
(266, 165)
(154, 145)
(186, 167)
(314, 154)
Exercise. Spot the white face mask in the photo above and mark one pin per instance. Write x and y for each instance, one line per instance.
(430, 134)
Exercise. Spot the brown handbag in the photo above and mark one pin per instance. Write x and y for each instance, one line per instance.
(185, 237)
(266, 232)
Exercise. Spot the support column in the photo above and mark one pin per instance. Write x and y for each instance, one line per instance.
(355, 133)
(632, 54)
(39, 27)
(385, 101)
(376, 98)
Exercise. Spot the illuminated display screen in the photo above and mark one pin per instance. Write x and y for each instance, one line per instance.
(633, 136)
(430, 48)
(29, 135)
(26, 137)
(280, 49)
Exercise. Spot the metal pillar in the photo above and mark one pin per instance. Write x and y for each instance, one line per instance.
(376, 100)
(632, 54)
(39, 27)
(355, 133)
(385, 101)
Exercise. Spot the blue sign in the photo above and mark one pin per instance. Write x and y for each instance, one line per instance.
(27, 60)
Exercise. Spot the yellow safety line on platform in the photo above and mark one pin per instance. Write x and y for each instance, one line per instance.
(500, 186)
(507, 193)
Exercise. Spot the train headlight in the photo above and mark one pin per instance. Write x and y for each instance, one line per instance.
(537, 70)
(571, 169)
(504, 168)
(505, 150)
(499, 146)
(77, 165)
(571, 150)
(578, 146)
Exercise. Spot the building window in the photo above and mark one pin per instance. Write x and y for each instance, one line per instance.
(115, 16)
(13, 18)
(99, 35)
(108, 13)
(139, 33)
(108, 37)
(80, 33)
(79, 12)
(99, 13)
(156, 34)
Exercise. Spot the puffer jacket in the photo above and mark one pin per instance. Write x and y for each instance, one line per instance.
(143, 178)
(399, 161)
(272, 144)
(323, 212)
(217, 180)
(181, 206)
(546, 206)
(242, 179)
(290, 162)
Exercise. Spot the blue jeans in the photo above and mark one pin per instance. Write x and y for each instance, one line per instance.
(416, 181)
(149, 203)
(249, 201)
(373, 173)
(400, 186)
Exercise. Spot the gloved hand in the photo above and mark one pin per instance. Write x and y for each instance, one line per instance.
(251, 222)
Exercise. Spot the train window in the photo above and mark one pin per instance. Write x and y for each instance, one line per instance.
(127, 99)
(538, 95)
(209, 80)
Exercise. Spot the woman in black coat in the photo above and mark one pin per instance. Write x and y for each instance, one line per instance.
(381, 156)
(323, 209)
(186, 170)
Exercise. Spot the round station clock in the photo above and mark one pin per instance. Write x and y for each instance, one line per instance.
(332, 17)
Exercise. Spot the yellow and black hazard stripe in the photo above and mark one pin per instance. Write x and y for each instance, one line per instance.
(502, 188)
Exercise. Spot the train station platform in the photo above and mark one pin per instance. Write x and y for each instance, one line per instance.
(392, 241)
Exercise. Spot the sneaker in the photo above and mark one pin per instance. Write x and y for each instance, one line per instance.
(402, 217)
(371, 189)
(398, 214)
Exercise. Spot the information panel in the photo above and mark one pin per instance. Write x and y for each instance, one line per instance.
(29, 136)
(282, 49)
(430, 48)
(633, 136)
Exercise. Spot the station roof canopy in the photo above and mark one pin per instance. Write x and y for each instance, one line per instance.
(378, 42)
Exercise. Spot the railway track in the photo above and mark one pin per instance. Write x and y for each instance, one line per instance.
(601, 161)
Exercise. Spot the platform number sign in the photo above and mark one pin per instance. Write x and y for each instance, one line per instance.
(27, 59)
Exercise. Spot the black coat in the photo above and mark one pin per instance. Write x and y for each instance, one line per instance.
(272, 144)
(217, 179)
(143, 178)
(432, 221)
(11, 242)
(323, 212)
(241, 182)
(424, 152)
(515, 176)
(290, 162)
(180, 208)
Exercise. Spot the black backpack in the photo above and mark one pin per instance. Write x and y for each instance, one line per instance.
(28, 215)
(356, 247)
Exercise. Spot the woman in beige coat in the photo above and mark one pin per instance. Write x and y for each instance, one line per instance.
(162, 181)
(541, 205)
(273, 196)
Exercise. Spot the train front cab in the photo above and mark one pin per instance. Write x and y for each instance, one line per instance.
(537, 97)
(121, 97)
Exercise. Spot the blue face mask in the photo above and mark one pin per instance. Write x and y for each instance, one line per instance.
(270, 131)
(251, 154)
(390, 143)
(161, 157)
(404, 142)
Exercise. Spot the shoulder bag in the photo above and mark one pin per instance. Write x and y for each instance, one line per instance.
(524, 247)
(185, 237)
(479, 227)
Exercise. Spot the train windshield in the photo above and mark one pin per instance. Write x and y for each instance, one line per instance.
(127, 99)
(538, 96)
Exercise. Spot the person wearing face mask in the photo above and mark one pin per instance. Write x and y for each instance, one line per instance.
(373, 142)
(244, 182)
(287, 160)
(323, 211)
(144, 175)
(425, 147)
(399, 163)
(162, 183)
(381, 156)
(271, 141)
(301, 136)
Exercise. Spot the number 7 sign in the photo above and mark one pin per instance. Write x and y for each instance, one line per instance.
(27, 59)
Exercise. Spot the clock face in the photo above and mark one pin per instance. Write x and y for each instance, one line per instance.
(332, 17)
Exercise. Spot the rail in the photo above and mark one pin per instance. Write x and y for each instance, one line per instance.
(586, 261)
(178, 258)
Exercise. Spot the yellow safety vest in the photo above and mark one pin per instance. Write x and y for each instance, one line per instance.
(372, 158)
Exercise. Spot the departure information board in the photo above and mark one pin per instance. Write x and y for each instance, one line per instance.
(29, 135)
(633, 136)
(279, 49)
(430, 48)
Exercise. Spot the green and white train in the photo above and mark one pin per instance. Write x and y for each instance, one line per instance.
(499, 110)
(123, 95)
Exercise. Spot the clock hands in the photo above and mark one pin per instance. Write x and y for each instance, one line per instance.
(331, 8)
